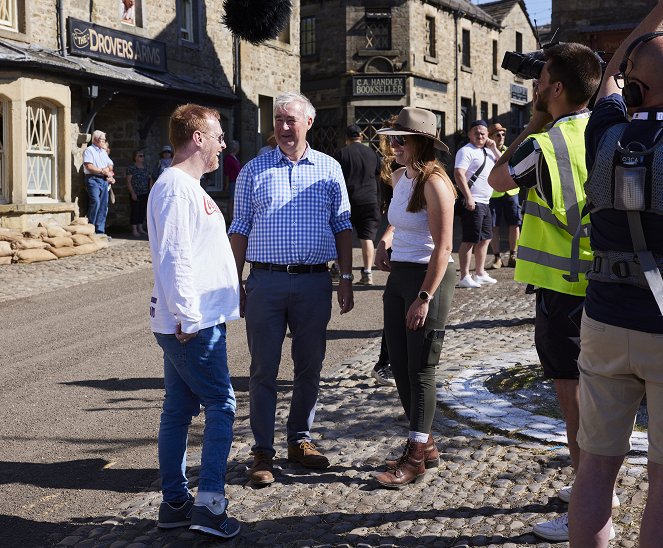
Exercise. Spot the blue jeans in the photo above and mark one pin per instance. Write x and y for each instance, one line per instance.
(97, 208)
(274, 302)
(195, 374)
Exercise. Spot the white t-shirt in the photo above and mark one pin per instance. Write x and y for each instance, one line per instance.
(195, 277)
(470, 159)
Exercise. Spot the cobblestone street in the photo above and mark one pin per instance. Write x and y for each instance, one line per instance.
(501, 466)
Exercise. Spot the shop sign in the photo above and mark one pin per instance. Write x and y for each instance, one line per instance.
(369, 86)
(122, 48)
(518, 93)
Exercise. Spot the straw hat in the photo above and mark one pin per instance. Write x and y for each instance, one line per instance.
(494, 128)
(416, 121)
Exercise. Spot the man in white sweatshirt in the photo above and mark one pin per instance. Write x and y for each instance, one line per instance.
(196, 290)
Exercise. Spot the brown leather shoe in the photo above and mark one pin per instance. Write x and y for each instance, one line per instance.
(410, 468)
(431, 455)
(307, 455)
(262, 470)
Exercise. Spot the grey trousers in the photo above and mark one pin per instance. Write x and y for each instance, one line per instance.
(276, 301)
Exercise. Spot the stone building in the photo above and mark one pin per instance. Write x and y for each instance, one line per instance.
(362, 61)
(72, 66)
(600, 24)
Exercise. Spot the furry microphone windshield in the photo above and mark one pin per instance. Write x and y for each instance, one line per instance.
(256, 20)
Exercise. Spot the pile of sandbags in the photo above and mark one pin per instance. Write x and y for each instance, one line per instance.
(49, 241)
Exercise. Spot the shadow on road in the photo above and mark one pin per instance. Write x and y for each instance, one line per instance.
(89, 474)
(115, 384)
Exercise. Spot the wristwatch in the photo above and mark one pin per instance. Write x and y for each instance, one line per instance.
(347, 277)
(425, 296)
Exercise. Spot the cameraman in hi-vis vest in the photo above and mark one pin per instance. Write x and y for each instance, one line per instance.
(550, 162)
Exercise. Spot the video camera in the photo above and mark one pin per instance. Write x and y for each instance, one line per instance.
(524, 65)
(528, 66)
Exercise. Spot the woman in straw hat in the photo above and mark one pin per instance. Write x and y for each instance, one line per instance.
(420, 284)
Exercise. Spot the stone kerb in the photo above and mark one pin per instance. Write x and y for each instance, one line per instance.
(465, 393)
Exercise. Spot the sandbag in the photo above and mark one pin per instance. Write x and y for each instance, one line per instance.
(34, 255)
(56, 231)
(60, 241)
(6, 249)
(80, 229)
(85, 248)
(5, 260)
(101, 242)
(9, 235)
(60, 252)
(28, 243)
(80, 221)
(80, 239)
(38, 232)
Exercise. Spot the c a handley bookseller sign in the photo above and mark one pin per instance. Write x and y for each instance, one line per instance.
(122, 48)
(378, 85)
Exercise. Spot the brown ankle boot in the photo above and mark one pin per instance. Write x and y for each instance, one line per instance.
(431, 455)
(410, 467)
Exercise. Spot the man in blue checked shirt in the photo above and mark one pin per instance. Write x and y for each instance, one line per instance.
(292, 216)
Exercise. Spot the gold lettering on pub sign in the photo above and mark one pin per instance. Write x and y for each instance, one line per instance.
(97, 41)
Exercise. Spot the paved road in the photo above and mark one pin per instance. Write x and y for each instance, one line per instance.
(80, 390)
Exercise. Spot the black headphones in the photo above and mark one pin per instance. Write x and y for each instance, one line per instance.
(632, 93)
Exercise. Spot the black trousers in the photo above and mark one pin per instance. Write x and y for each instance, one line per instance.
(138, 209)
(414, 355)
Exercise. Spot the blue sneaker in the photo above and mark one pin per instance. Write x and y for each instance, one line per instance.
(172, 516)
(218, 525)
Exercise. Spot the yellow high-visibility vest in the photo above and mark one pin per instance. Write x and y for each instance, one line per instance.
(548, 254)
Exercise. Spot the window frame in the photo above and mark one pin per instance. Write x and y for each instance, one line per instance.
(188, 9)
(431, 44)
(372, 19)
(52, 194)
(307, 36)
(11, 23)
(4, 180)
(466, 51)
(495, 56)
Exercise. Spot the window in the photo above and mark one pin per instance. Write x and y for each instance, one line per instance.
(284, 35)
(466, 49)
(307, 36)
(494, 57)
(465, 113)
(8, 15)
(495, 113)
(440, 125)
(131, 12)
(323, 135)
(370, 119)
(42, 121)
(519, 42)
(518, 118)
(378, 29)
(187, 13)
(484, 110)
(430, 36)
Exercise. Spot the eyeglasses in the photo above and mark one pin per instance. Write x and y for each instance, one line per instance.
(397, 139)
(502, 133)
(621, 79)
(140, 155)
(220, 138)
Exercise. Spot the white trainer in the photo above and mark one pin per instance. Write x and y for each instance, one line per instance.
(565, 496)
(484, 279)
(557, 530)
(468, 283)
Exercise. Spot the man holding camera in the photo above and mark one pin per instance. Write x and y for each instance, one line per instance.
(622, 326)
(551, 164)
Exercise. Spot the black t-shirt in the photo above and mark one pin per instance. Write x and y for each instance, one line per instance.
(621, 305)
(361, 169)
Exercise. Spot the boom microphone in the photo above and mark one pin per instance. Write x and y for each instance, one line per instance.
(256, 20)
